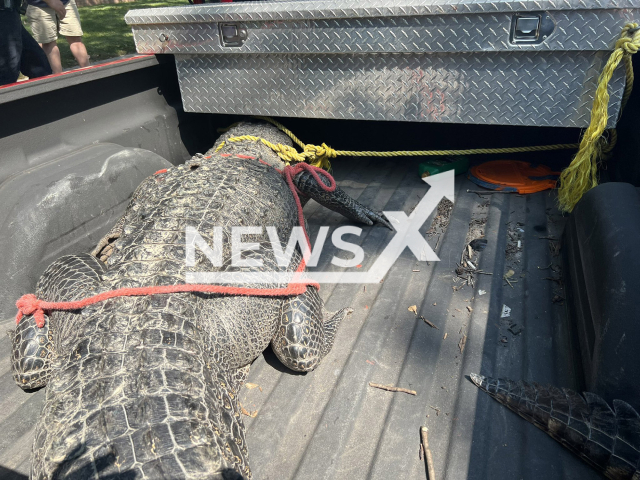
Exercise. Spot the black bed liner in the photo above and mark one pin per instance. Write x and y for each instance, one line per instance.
(330, 424)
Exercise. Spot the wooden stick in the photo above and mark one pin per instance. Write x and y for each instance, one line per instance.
(391, 388)
(431, 324)
(427, 453)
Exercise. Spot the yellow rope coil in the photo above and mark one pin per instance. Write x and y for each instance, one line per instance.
(581, 175)
(575, 180)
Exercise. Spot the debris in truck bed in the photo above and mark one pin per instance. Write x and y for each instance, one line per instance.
(414, 309)
(462, 343)
(479, 244)
(441, 220)
(513, 250)
(391, 388)
(506, 312)
(248, 413)
(431, 324)
(427, 453)
(251, 386)
(515, 328)
(469, 266)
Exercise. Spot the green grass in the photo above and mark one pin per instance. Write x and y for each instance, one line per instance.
(106, 35)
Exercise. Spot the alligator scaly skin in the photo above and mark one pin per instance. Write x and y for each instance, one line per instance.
(608, 440)
(147, 387)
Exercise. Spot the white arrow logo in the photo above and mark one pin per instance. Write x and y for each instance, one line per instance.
(407, 235)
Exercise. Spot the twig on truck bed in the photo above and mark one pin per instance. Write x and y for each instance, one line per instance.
(391, 388)
(431, 324)
(431, 474)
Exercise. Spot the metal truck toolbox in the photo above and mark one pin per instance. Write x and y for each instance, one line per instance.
(456, 61)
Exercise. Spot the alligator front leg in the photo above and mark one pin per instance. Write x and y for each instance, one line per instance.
(338, 200)
(104, 248)
(67, 279)
(304, 337)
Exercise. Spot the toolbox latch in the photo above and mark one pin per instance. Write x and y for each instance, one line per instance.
(531, 28)
(527, 28)
(232, 34)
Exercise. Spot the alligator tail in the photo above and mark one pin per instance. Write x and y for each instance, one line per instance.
(608, 440)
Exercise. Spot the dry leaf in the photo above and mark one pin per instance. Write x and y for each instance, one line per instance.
(509, 274)
(246, 412)
(414, 309)
(251, 386)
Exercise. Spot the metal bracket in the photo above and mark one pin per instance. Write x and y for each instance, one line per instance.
(232, 34)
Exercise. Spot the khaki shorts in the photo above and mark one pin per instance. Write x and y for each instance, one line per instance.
(46, 25)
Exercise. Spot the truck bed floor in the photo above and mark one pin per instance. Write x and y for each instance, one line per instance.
(330, 424)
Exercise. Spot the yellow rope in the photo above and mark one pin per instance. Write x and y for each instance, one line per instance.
(581, 175)
(320, 156)
(575, 180)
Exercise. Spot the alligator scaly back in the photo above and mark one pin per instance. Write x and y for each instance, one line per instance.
(608, 440)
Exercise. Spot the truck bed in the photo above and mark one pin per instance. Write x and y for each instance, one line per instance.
(330, 423)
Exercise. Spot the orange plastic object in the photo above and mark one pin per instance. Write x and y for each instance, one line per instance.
(513, 176)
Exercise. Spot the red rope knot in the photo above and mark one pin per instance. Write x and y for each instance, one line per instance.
(30, 305)
(291, 171)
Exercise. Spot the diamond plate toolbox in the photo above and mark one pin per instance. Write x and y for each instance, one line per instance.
(455, 61)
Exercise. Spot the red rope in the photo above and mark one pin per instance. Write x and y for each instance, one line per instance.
(29, 304)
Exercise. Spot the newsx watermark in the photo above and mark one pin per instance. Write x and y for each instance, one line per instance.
(407, 235)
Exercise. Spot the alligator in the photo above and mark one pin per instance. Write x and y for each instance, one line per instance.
(148, 386)
(607, 439)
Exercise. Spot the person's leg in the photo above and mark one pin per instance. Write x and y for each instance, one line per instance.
(44, 25)
(72, 31)
(10, 46)
(78, 50)
(53, 55)
(34, 62)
